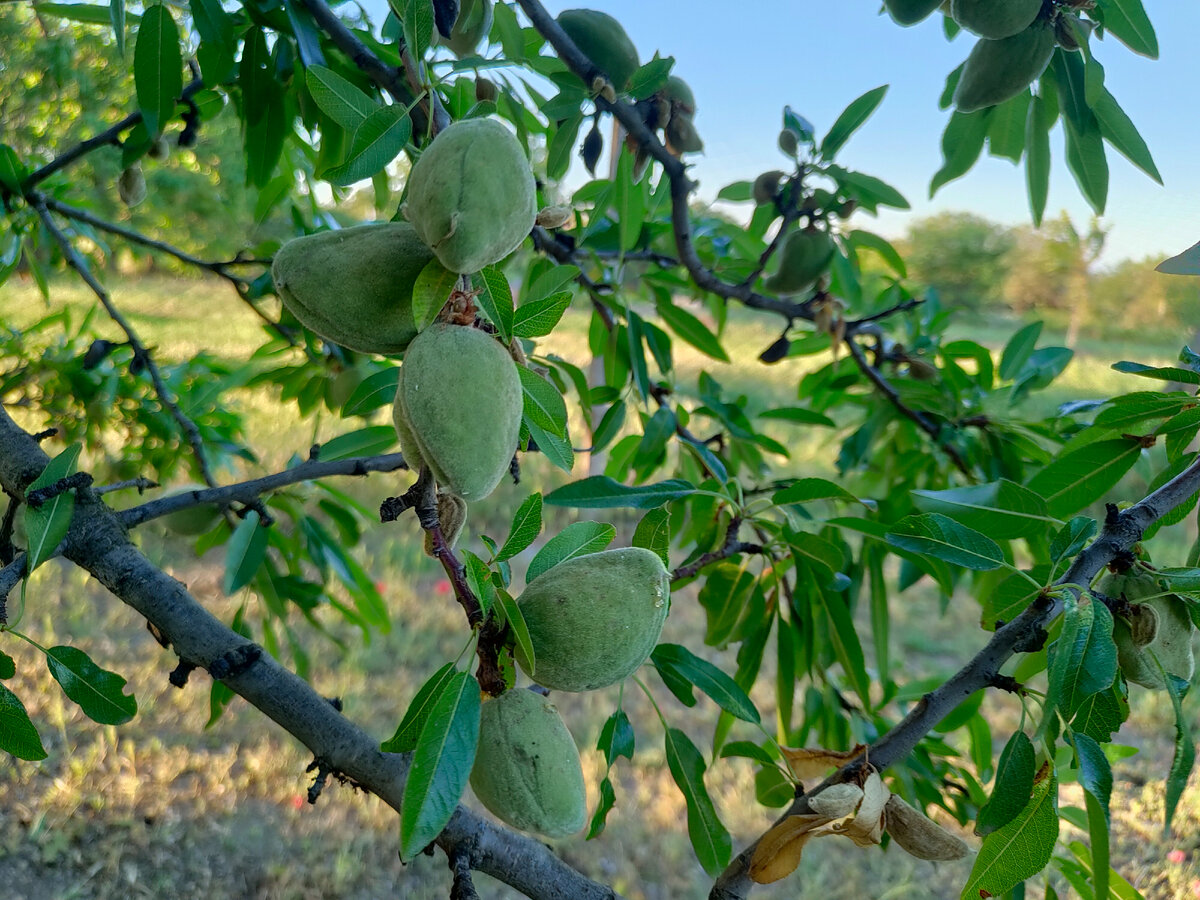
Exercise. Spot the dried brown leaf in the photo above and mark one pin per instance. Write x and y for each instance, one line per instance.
(813, 762)
(778, 852)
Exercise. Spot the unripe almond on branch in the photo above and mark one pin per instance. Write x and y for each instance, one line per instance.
(766, 186)
(999, 70)
(1157, 632)
(353, 286)
(995, 19)
(458, 408)
(603, 40)
(594, 619)
(131, 186)
(910, 12)
(471, 195)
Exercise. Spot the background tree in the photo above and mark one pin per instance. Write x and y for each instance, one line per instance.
(944, 473)
(962, 255)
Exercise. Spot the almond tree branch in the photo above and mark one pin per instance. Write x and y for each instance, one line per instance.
(1023, 633)
(76, 262)
(110, 136)
(97, 543)
(922, 421)
(248, 491)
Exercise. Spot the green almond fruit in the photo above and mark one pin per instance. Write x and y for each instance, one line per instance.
(192, 520)
(999, 70)
(910, 12)
(604, 41)
(458, 408)
(679, 93)
(995, 19)
(471, 195)
(594, 619)
(472, 26)
(527, 769)
(1160, 627)
(804, 257)
(353, 286)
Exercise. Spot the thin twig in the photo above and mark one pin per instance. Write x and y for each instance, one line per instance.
(922, 421)
(142, 485)
(110, 136)
(1118, 535)
(731, 547)
(191, 432)
(246, 491)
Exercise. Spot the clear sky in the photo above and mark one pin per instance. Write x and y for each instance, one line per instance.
(746, 60)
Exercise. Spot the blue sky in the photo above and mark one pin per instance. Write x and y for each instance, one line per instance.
(746, 60)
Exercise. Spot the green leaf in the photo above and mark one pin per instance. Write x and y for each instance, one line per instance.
(1001, 509)
(798, 415)
(88, 13)
(1014, 785)
(721, 688)
(577, 539)
(157, 67)
(888, 253)
(48, 524)
(1159, 373)
(1087, 162)
(962, 142)
(723, 598)
(99, 693)
(555, 448)
(1116, 126)
(441, 764)
(341, 100)
(244, 554)
(653, 533)
(1006, 130)
(851, 119)
(495, 296)
(1018, 350)
(8, 668)
(526, 526)
(543, 403)
(17, 734)
(537, 318)
(1095, 774)
(418, 26)
(377, 141)
(710, 840)
(419, 710)
(691, 329)
(1041, 118)
(1020, 849)
(217, 39)
(431, 290)
(616, 738)
(116, 16)
(943, 538)
(1080, 477)
(1185, 263)
(479, 580)
(1100, 715)
(868, 190)
(603, 492)
(650, 77)
(1185, 748)
(373, 392)
(516, 621)
(604, 805)
(1128, 22)
(747, 750)
(846, 646)
(1071, 539)
(808, 490)
(1085, 657)
(12, 170)
(369, 441)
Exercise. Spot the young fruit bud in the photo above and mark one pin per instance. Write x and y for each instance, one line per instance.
(160, 149)
(452, 516)
(131, 186)
(472, 25)
(353, 286)
(682, 136)
(1158, 633)
(486, 90)
(680, 95)
(999, 70)
(594, 619)
(603, 40)
(527, 769)
(458, 408)
(445, 14)
(776, 351)
(555, 216)
(1071, 32)
(919, 835)
(766, 186)
(593, 145)
(471, 195)
(805, 255)
(788, 142)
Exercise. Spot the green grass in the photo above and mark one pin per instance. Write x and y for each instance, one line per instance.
(163, 807)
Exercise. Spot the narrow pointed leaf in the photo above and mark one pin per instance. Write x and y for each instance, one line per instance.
(1080, 477)
(99, 693)
(602, 492)
(409, 729)
(720, 687)
(48, 524)
(577, 539)
(1014, 785)
(245, 553)
(710, 839)
(851, 119)
(943, 538)
(157, 67)
(526, 526)
(1020, 849)
(17, 734)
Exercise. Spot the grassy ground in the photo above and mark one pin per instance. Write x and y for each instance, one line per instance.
(163, 807)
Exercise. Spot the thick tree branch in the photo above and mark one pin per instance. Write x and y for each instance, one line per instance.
(190, 431)
(110, 136)
(922, 421)
(97, 543)
(249, 491)
(1118, 535)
